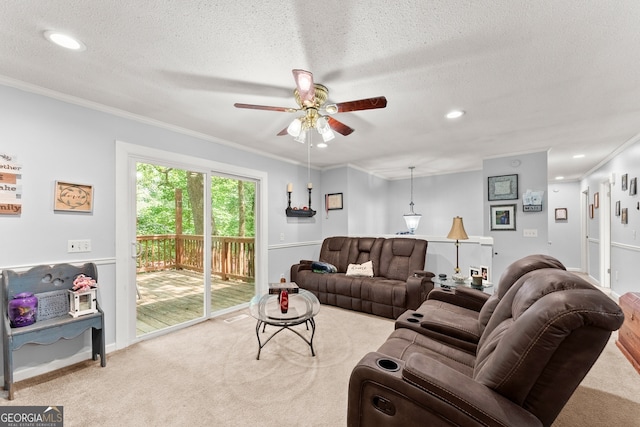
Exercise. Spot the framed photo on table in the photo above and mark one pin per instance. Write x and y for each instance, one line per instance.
(504, 187)
(503, 217)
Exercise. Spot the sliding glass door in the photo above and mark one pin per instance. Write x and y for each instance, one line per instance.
(181, 274)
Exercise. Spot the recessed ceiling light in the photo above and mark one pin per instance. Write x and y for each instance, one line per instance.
(64, 40)
(578, 156)
(454, 114)
(321, 145)
(559, 178)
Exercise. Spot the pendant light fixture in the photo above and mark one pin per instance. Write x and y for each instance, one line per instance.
(412, 219)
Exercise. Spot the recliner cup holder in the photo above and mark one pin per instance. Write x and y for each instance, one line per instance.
(413, 320)
(388, 365)
(419, 315)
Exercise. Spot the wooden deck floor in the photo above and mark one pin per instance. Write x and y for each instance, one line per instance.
(172, 297)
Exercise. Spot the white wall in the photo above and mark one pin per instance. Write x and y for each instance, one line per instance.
(625, 238)
(510, 246)
(336, 222)
(565, 235)
(438, 199)
(367, 203)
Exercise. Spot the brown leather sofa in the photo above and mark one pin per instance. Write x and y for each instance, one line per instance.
(399, 282)
(458, 316)
(542, 338)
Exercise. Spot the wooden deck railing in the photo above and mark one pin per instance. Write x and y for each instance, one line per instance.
(231, 257)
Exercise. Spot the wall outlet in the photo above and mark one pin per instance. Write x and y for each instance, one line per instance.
(282, 237)
(530, 232)
(79, 245)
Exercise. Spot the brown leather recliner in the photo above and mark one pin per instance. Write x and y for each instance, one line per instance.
(541, 340)
(458, 317)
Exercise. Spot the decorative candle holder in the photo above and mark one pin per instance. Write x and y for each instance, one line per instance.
(299, 213)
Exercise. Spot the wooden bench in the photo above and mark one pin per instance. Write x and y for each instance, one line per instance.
(48, 282)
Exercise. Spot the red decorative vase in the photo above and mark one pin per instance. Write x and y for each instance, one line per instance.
(284, 301)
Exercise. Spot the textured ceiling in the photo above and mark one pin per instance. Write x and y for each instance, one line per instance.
(549, 75)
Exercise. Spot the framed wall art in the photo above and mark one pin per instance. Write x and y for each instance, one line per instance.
(624, 181)
(624, 218)
(503, 217)
(334, 201)
(504, 187)
(633, 187)
(618, 208)
(561, 214)
(70, 197)
(596, 200)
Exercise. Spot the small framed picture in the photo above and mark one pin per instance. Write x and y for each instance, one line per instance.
(623, 182)
(69, 197)
(484, 271)
(633, 187)
(474, 271)
(504, 187)
(561, 214)
(503, 217)
(618, 208)
(591, 211)
(596, 200)
(333, 201)
(624, 217)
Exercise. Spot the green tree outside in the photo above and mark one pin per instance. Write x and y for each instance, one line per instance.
(232, 202)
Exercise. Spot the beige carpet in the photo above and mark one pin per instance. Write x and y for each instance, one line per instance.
(208, 375)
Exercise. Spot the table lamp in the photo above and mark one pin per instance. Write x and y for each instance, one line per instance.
(457, 232)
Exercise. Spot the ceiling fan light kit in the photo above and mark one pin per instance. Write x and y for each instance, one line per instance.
(311, 98)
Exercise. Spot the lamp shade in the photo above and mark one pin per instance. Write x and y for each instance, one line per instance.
(412, 220)
(294, 128)
(457, 230)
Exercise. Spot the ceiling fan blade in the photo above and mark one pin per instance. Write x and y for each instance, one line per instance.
(283, 132)
(265, 107)
(306, 87)
(362, 104)
(339, 127)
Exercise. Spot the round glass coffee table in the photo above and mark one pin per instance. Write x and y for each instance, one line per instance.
(303, 307)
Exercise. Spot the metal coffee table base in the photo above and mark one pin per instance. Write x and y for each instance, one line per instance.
(264, 324)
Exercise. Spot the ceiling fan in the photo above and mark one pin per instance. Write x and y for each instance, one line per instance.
(311, 99)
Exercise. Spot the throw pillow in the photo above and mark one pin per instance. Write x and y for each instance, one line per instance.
(365, 269)
(323, 267)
